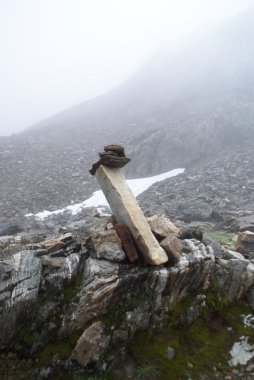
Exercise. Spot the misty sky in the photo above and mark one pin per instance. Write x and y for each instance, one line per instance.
(56, 53)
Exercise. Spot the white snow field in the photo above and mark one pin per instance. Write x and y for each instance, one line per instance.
(98, 200)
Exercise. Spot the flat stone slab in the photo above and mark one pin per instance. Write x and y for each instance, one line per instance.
(127, 211)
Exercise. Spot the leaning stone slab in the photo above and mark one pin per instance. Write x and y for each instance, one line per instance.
(127, 211)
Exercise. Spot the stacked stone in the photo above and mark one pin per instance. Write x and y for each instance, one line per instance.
(112, 157)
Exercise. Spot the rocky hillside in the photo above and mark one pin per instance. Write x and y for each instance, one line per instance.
(72, 306)
(219, 192)
(181, 108)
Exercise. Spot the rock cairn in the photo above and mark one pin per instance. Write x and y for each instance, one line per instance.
(125, 207)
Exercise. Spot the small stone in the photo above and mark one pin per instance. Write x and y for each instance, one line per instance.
(170, 353)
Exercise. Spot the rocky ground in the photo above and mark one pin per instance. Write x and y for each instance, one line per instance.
(219, 192)
(72, 306)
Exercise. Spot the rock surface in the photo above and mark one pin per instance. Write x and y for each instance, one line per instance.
(19, 287)
(97, 305)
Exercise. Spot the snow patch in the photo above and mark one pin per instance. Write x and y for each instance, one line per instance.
(248, 320)
(98, 200)
(241, 352)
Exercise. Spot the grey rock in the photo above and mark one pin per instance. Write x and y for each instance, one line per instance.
(19, 292)
(234, 278)
(106, 245)
(60, 270)
(138, 319)
(214, 245)
(228, 255)
(105, 286)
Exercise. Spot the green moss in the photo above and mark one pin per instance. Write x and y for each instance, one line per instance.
(62, 348)
(198, 348)
(224, 237)
(146, 371)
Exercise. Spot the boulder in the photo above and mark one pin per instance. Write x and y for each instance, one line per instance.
(245, 244)
(172, 246)
(162, 227)
(91, 346)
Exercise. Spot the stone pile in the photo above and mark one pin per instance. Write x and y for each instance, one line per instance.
(112, 157)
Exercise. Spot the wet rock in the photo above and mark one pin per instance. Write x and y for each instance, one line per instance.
(245, 243)
(91, 346)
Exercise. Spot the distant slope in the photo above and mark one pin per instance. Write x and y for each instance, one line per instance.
(178, 109)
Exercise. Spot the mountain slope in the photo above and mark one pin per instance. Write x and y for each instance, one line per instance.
(180, 108)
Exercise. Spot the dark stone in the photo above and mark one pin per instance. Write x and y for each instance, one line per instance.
(111, 162)
(109, 153)
(118, 149)
(127, 242)
(191, 234)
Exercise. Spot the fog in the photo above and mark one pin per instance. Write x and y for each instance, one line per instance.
(56, 53)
